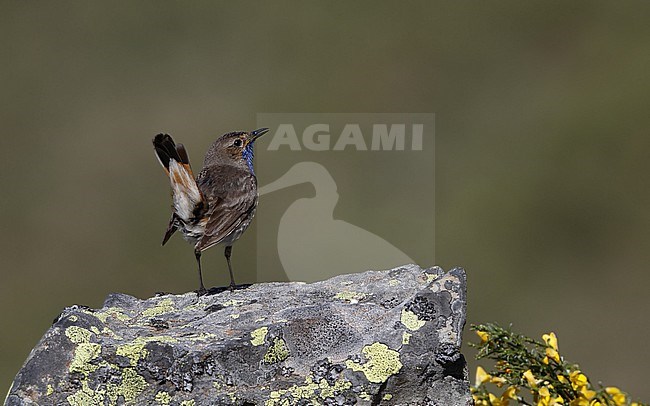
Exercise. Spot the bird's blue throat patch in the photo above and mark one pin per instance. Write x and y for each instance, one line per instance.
(248, 155)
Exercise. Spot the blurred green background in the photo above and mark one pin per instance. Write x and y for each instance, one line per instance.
(542, 136)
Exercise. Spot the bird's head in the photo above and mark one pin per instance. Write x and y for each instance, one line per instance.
(235, 148)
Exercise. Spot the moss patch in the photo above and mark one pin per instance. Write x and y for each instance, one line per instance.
(381, 363)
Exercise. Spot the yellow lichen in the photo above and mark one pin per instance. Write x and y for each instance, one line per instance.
(131, 386)
(163, 398)
(277, 352)
(232, 302)
(411, 321)
(431, 277)
(258, 336)
(188, 403)
(387, 396)
(104, 314)
(86, 396)
(105, 331)
(315, 392)
(162, 307)
(135, 350)
(381, 363)
(234, 316)
(350, 296)
(83, 355)
(195, 306)
(406, 337)
(50, 390)
(78, 335)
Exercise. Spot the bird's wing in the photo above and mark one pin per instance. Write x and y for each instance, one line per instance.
(188, 200)
(231, 194)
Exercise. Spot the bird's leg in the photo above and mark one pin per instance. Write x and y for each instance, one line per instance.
(227, 253)
(201, 291)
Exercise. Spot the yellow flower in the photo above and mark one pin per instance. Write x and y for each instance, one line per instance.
(510, 393)
(578, 380)
(553, 354)
(483, 336)
(528, 375)
(544, 398)
(479, 401)
(481, 376)
(618, 397)
(587, 393)
(494, 401)
(498, 381)
(551, 340)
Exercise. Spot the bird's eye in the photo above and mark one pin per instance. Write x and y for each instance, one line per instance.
(237, 142)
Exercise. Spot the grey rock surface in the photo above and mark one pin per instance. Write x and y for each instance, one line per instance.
(374, 338)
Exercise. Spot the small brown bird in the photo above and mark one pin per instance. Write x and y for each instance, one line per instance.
(219, 205)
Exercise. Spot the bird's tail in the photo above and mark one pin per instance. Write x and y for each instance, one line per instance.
(188, 199)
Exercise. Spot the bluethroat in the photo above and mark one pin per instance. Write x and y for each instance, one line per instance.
(218, 205)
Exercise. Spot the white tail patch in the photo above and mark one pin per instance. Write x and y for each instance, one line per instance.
(185, 191)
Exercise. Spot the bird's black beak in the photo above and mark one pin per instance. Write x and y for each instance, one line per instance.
(258, 133)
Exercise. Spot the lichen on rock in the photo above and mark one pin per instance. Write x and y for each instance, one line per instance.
(277, 352)
(381, 363)
(377, 337)
(258, 335)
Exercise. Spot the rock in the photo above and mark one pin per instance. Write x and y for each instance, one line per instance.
(373, 338)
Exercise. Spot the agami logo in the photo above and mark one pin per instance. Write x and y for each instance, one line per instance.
(319, 137)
